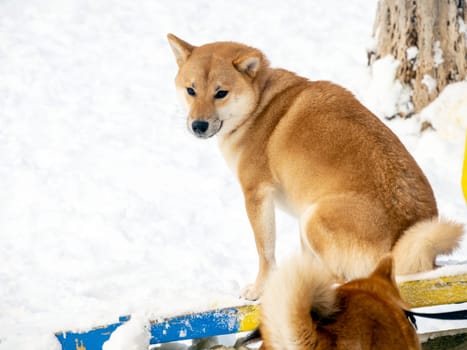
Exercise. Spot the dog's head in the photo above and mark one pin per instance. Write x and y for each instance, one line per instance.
(381, 282)
(216, 84)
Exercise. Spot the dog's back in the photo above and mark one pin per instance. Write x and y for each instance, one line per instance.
(302, 310)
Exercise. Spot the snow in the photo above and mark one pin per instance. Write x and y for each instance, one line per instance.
(109, 206)
(132, 335)
(455, 269)
(437, 53)
(427, 326)
(412, 53)
(462, 27)
(384, 95)
(448, 112)
(429, 82)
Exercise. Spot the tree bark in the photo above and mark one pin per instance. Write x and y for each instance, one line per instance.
(428, 37)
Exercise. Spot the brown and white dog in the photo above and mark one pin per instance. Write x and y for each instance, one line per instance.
(302, 310)
(313, 149)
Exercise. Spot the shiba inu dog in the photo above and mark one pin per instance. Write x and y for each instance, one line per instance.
(301, 310)
(313, 149)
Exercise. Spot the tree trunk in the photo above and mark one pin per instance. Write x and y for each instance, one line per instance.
(428, 37)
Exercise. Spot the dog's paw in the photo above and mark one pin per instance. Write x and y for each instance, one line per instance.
(252, 292)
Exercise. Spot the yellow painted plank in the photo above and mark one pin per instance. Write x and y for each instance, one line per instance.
(249, 317)
(437, 291)
(417, 293)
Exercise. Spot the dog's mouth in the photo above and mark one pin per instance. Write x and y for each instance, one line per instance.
(204, 129)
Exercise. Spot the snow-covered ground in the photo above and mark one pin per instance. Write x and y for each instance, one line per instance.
(108, 206)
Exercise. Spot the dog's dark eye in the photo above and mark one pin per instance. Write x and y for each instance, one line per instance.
(190, 91)
(221, 94)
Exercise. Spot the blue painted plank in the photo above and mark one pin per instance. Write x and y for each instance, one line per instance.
(193, 326)
(188, 326)
(89, 340)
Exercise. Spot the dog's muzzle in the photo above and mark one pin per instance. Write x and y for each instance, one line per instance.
(200, 127)
(205, 129)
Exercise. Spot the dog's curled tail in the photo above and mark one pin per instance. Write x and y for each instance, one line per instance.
(417, 248)
(296, 289)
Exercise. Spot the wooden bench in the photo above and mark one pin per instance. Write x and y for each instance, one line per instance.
(417, 293)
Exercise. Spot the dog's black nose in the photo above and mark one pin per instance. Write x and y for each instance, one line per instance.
(200, 127)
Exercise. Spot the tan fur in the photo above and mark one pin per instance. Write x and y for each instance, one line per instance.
(291, 292)
(313, 149)
(301, 310)
(417, 249)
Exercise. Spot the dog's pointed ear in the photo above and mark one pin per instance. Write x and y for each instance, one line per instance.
(385, 268)
(249, 64)
(181, 49)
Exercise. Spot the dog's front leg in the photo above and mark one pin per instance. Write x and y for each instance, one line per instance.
(259, 204)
